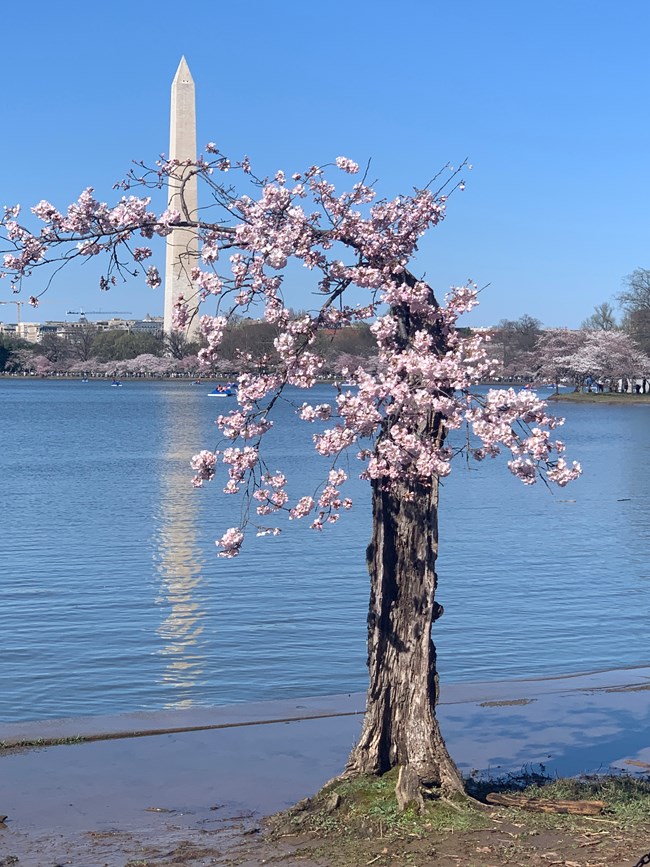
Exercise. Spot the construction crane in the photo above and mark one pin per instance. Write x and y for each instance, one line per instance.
(83, 313)
(18, 304)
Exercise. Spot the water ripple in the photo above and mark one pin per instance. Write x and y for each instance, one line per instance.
(113, 598)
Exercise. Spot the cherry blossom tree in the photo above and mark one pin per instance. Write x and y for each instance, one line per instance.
(395, 423)
(600, 354)
(346, 364)
(553, 352)
(41, 365)
(148, 365)
(20, 360)
(189, 364)
(610, 355)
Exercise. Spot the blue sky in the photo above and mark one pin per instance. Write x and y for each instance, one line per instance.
(548, 100)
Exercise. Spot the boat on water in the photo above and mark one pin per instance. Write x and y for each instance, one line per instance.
(116, 384)
(223, 390)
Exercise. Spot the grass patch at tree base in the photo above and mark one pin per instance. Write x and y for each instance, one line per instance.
(357, 822)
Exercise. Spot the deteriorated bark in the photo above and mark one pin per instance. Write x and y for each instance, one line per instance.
(547, 805)
(400, 726)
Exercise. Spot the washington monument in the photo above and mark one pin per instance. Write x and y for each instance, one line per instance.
(182, 244)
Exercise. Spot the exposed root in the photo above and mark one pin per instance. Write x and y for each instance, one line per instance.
(465, 801)
(450, 803)
(412, 790)
(408, 790)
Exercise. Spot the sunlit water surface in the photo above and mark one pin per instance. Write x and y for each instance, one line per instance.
(113, 598)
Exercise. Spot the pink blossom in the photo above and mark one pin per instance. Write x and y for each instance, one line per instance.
(322, 412)
(204, 464)
(231, 542)
(416, 388)
(47, 213)
(180, 314)
(302, 508)
(337, 477)
(347, 165)
(562, 473)
(524, 469)
(166, 221)
(153, 277)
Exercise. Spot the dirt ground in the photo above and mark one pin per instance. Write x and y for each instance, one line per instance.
(509, 837)
(198, 797)
(506, 844)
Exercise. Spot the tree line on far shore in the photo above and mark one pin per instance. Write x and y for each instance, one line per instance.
(247, 344)
(607, 352)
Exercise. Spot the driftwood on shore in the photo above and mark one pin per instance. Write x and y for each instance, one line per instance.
(547, 805)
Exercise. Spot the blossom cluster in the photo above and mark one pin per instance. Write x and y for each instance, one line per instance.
(419, 388)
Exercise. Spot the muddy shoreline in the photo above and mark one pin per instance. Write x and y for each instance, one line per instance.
(118, 794)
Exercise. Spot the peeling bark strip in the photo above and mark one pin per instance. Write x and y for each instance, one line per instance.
(408, 790)
(400, 726)
(547, 805)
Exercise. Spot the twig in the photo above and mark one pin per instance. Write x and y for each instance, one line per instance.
(596, 819)
(450, 803)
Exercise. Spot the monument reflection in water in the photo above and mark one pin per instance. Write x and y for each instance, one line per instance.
(179, 564)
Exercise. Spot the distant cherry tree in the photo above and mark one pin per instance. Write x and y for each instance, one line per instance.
(189, 364)
(609, 355)
(394, 423)
(582, 355)
(553, 352)
(41, 365)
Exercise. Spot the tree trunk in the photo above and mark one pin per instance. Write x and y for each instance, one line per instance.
(400, 726)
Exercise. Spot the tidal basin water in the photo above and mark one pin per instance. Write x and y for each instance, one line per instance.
(112, 597)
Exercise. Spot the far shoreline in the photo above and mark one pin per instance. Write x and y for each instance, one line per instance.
(609, 397)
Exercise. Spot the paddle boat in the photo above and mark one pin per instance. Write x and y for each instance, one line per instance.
(222, 390)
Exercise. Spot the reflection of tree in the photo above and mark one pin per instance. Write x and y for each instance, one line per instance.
(179, 567)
